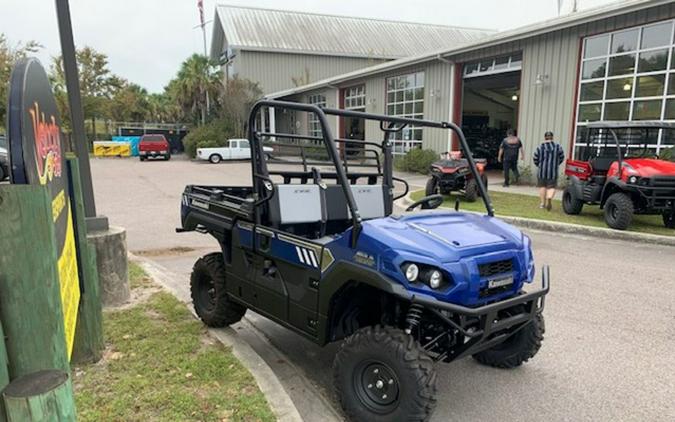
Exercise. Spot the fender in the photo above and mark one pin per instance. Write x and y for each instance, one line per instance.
(613, 184)
(340, 275)
(576, 185)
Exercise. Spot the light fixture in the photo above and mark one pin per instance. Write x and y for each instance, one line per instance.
(514, 97)
(627, 87)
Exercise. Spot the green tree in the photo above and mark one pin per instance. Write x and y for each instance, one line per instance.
(9, 55)
(198, 82)
(97, 84)
(236, 101)
(129, 102)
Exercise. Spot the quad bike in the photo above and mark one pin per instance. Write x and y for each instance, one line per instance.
(454, 174)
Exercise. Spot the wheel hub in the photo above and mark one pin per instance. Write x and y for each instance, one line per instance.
(377, 386)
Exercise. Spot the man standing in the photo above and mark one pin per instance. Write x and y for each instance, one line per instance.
(509, 150)
(548, 156)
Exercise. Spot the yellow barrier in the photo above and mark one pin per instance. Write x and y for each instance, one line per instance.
(112, 149)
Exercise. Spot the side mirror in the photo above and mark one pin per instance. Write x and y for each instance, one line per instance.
(428, 202)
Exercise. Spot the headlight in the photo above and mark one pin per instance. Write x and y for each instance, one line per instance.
(435, 279)
(633, 179)
(412, 271)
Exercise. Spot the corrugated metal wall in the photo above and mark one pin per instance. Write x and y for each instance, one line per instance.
(549, 106)
(275, 71)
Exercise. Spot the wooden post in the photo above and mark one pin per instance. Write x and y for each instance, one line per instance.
(30, 299)
(41, 396)
(88, 346)
(4, 374)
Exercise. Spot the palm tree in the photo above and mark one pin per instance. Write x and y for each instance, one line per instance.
(197, 82)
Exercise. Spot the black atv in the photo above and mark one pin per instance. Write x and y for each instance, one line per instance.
(454, 174)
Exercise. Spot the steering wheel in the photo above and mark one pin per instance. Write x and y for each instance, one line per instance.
(428, 202)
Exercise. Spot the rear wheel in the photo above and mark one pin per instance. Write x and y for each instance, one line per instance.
(383, 374)
(471, 190)
(669, 220)
(619, 211)
(141, 158)
(215, 158)
(209, 296)
(517, 349)
(571, 204)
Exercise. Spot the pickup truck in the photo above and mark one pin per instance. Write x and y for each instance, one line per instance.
(154, 146)
(236, 149)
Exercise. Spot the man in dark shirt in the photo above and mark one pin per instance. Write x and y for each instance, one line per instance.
(548, 156)
(509, 150)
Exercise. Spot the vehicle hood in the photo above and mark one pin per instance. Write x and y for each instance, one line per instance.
(648, 167)
(444, 236)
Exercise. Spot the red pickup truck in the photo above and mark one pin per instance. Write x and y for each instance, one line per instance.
(154, 146)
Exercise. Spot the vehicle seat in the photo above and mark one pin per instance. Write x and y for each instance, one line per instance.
(370, 200)
(601, 164)
(297, 208)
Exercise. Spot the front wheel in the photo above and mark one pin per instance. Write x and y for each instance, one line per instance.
(383, 374)
(619, 211)
(517, 349)
(471, 190)
(209, 296)
(215, 158)
(571, 204)
(669, 220)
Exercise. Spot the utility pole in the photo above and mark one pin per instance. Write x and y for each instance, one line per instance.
(94, 222)
(200, 6)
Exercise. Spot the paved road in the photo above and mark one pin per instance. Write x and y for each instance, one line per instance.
(609, 351)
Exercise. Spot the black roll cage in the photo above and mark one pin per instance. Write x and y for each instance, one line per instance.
(263, 187)
(612, 126)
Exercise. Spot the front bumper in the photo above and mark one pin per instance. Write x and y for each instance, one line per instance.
(490, 324)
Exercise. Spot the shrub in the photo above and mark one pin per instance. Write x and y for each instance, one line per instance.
(213, 134)
(668, 154)
(416, 160)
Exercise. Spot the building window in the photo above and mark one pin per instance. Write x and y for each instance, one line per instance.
(405, 98)
(628, 75)
(491, 66)
(314, 126)
(355, 98)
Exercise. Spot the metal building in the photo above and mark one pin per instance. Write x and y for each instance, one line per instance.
(611, 63)
(282, 49)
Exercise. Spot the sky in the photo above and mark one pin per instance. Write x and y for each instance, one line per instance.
(146, 40)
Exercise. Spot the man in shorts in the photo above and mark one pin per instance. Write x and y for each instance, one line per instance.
(548, 157)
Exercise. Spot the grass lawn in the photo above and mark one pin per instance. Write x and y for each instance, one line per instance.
(161, 365)
(527, 206)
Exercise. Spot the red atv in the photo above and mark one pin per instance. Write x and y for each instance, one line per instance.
(453, 174)
(619, 171)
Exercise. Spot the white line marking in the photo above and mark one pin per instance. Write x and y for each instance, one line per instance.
(306, 255)
(298, 250)
(311, 255)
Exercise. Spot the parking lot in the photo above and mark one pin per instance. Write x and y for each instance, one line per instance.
(609, 348)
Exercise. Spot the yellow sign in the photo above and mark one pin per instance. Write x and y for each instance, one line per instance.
(70, 284)
(112, 149)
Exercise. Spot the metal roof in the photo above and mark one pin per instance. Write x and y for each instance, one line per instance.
(528, 31)
(248, 28)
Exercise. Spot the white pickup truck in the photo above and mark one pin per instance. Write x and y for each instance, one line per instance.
(236, 149)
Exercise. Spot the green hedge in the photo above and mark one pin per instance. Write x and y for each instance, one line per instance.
(211, 135)
(416, 160)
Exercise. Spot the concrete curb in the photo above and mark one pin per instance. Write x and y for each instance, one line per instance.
(280, 402)
(554, 226)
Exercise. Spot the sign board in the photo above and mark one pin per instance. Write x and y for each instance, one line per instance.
(112, 149)
(37, 156)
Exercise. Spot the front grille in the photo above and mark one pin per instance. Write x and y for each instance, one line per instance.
(663, 182)
(494, 268)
